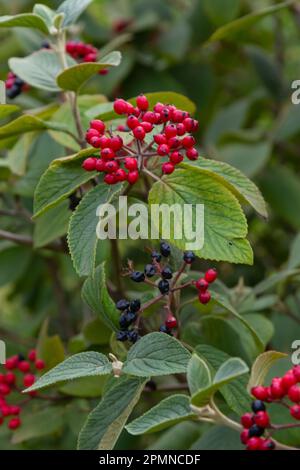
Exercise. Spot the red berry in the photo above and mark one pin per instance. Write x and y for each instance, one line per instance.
(121, 175)
(139, 132)
(211, 275)
(98, 125)
(288, 380)
(168, 168)
(147, 126)
(142, 102)
(24, 366)
(173, 142)
(111, 166)
(131, 163)
(192, 154)
(276, 388)
(40, 364)
(89, 164)
(180, 129)
(90, 134)
(244, 436)
(296, 372)
(4, 389)
(294, 393)
(171, 322)
(160, 139)
(163, 150)
(295, 411)
(104, 142)
(179, 115)
(132, 176)
(202, 284)
(149, 116)
(95, 142)
(116, 143)
(204, 297)
(10, 378)
(15, 410)
(2, 378)
(188, 141)
(254, 443)
(191, 125)
(14, 423)
(32, 355)
(28, 380)
(107, 154)
(11, 362)
(5, 410)
(267, 444)
(158, 107)
(176, 157)
(165, 114)
(262, 419)
(247, 420)
(120, 106)
(260, 392)
(100, 164)
(170, 131)
(132, 122)
(90, 57)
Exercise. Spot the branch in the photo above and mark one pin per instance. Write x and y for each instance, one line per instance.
(28, 241)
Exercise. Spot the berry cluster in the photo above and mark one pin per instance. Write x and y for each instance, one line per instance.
(14, 85)
(19, 374)
(256, 424)
(171, 137)
(167, 283)
(83, 53)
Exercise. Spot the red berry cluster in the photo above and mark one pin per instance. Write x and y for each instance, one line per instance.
(255, 424)
(14, 85)
(83, 53)
(12, 380)
(203, 283)
(172, 138)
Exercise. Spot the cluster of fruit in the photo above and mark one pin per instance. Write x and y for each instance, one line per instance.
(14, 86)
(19, 374)
(83, 52)
(169, 131)
(203, 283)
(257, 423)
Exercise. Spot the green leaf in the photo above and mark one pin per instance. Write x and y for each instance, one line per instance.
(227, 120)
(156, 354)
(82, 236)
(241, 186)
(7, 109)
(229, 370)
(107, 420)
(245, 22)
(18, 156)
(168, 412)
(44, 12)
(95, 294)
(96, 332)
(72, 9)
(28, 123)
(294, 256)
(261, 367)
(84, 364)
(198, 374)
(50, 348)
(106, 112)
(61, 179)
(272, 281)
(39, 69)
(181, 436)
(218, 438)
(74, 77)
(10, 258)
(24, 20)
(52, 224)
(85, 387)
(218, 14)
(33, 424)
(235, 393)
(225, 226)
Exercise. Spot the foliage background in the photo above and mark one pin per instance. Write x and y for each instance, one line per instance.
(242, 89)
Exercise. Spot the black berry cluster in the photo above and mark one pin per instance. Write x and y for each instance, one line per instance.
(170, 138)
(257, 425)
(14, 86)
(19, 374)
(128, 317)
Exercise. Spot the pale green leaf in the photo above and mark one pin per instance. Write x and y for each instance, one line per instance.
(72, 9)
(24, 20)
(261, 367)
(198, 374)
(84, 364)
(7, 109)
(168, 412)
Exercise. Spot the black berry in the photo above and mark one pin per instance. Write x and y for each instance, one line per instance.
(135, 305)
(155, 255)
(164, 286)
(133, 336)
(122, 335)
(165, 329)
(165, 249)
(258, 405)
(137, 276)
(150, 270)
(126, 319)
(166, 273)
(255, 431)
(189, 257)
(151, 385)
(122, 304)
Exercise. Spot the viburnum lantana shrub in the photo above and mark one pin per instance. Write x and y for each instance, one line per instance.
(146, 148)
